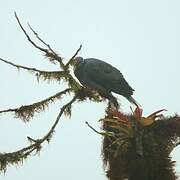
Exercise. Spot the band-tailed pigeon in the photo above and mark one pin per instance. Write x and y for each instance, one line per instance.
(102, 77)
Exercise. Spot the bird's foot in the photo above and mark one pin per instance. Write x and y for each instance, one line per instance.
(113, 104)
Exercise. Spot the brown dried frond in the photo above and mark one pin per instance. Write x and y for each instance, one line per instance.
(168, 130)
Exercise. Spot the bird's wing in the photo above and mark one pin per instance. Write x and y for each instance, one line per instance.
(107, 76)
(102, 71)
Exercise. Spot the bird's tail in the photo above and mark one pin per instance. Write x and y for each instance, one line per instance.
(133, 101)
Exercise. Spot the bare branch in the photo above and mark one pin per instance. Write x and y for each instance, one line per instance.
(27, 112)
(52, 56)
(40, 74)
(26, 34)
(59, 116)
(8, 110)
(56, 56)
(94, 129)
(40, 39)
(19, 66)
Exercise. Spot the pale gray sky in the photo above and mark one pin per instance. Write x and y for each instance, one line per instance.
(141, 38)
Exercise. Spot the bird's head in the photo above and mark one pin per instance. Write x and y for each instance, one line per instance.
(78, 61)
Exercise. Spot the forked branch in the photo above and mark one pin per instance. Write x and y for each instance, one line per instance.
(18, 156)
(53, 57)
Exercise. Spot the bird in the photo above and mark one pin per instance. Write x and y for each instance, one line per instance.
(102, 77)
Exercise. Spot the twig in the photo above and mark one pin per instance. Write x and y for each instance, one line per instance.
(40, 39)
(31, 139)
(29, 39)
(94, 129)
(59, 116)
(28, 68)
(45, 75)
(51, 54)
(8, 110)
(72, 58)
(58, 58)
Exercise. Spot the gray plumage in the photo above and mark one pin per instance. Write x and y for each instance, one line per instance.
(102, 77)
